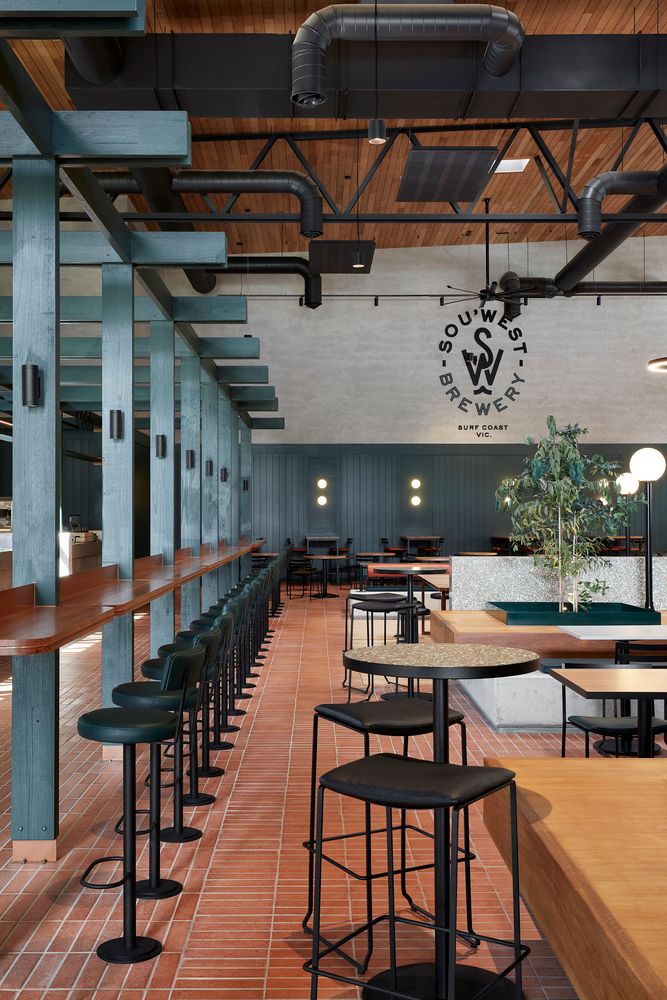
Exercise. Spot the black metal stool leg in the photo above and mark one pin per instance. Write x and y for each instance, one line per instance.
(194, 797)
(129, 948)
(221, 723)
(311, 822)
(516, 902)
(156, 887)
(317, 882)
(391, 899)
(207, 770)
(179, 834)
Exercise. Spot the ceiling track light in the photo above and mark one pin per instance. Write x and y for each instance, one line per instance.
(116, 425)
(31, 385)
(160, 445)
(190, 458)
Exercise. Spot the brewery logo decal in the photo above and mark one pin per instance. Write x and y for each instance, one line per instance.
(482, 359)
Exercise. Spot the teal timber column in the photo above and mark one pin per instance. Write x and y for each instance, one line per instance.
(163, 470)
(190, 480)
(117, 468)
(245, 496)
(36, 493)
(209, 483)
(226, 416)
(235, 473)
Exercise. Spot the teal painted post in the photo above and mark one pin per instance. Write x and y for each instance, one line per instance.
(36, 493)
(162, 468)
(190, 479)
(209, 482)
(245, 496)
(117, 463)
(235, 488)
(226, 416)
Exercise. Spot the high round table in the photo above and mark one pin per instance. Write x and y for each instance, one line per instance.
(440, 663)
(325, 572)
(409, 571)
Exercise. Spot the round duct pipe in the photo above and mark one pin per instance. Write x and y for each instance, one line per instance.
(400, 22)
(97, 60)
(611, 182)
(241, 264)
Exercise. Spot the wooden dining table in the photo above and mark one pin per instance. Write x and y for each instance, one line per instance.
(633, 683)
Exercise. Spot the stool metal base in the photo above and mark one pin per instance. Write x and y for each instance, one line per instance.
(116, 951)
(170, 835)
(165, 888)
(212, 772)
(419, 981)
(201, 799)
(224, 744)
(627, 748)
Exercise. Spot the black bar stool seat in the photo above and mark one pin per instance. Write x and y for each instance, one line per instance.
(131, 726)
(388, 779)
(143, 695)
(407, 717)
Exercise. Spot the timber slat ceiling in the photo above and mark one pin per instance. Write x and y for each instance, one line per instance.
(336, 161)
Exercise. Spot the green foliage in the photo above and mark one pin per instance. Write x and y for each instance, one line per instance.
(564, 505)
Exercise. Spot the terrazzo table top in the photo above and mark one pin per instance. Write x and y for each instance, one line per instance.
(447, 661)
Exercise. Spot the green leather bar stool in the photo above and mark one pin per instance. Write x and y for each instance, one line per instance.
(188, 665)
(216, 690)
(128, 727)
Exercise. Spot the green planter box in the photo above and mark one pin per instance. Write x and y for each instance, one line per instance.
(547, 613)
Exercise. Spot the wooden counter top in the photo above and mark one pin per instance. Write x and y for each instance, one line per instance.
(31, 630)
(591, 849)
(91, 598)
(546, 640)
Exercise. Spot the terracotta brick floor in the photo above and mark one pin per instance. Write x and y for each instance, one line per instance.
(234, 933)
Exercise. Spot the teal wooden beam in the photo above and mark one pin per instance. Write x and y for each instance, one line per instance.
(209, 482)
(248, 393)
(179, 250)
(186, 308)
(162, 471)
(91, 375)
(249, 374)
(268, 423)
(142, 138)
(190, 478)
(245, 494)
(86, 189)
(90, 348)
(235, 475)
(106, 17)
(227, 419)
(29, 116)
(68, 8)
(118, 463)
(36, 493)
(270, 405)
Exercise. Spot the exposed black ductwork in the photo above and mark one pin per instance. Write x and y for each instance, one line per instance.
(430, 22)
(613, 235)
(238, 182)
(259, 182)
(240, 264)
(513, 288)
(611, 182)
(97, 60)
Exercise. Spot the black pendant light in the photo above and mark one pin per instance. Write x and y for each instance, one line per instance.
(377, 132)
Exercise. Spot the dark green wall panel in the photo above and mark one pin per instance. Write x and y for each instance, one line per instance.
(370, 490)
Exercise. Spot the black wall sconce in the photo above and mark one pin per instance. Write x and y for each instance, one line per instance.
(223, 475)
(190, 458)
(31, 385)
(116, 425)
(246, 485)
(160, 445)
(209, 467)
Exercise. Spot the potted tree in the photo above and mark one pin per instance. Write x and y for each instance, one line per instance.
(564, 505)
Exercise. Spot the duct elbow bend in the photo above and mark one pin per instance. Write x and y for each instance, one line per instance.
(312, 216)
(500, 52)
(309, 50)
(589, 209)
